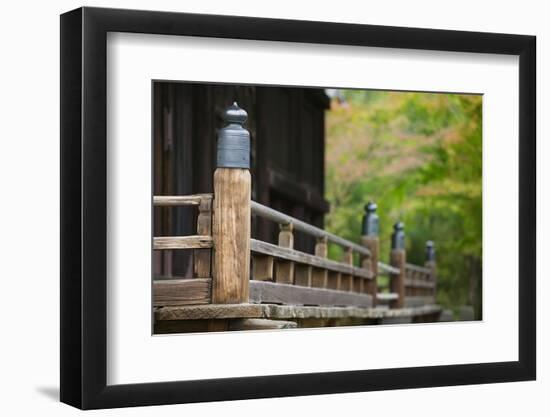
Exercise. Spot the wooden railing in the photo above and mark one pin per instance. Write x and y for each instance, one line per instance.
(223, 251)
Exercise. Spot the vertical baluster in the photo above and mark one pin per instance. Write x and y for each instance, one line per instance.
(262, 267)
(347, 279)
(285, 269)
(370, 240)
(319, 276)
(397, 259)
(201, 257)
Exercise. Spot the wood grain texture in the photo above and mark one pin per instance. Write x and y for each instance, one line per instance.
(272, 311)
(373, 244)
(180, 200)
(284, 268)
(272, 293)
(319, 277)
(182, 242)
(397, 281)
(265, 248)
(231, 234)
(262, 324)
(302, 275)
(202, 257)
(262, 267)
(175, 292)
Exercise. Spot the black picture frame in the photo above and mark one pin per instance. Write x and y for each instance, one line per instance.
(84, 207)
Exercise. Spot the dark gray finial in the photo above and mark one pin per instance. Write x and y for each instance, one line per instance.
(234, 140)
(370, 220)
(430, 251)
(398, 236)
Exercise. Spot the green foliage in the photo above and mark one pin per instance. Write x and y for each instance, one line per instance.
(419, 156)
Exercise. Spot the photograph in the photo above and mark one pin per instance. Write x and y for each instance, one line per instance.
(284, 207)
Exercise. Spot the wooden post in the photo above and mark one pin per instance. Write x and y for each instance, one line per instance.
(346, 283)
(231, 217)
(285, 269)
(430, 263)
(398, 259)
(319, 276)
(370, 240)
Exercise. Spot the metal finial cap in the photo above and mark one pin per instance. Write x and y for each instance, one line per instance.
(398, 236)
(370, 220)
(370, 207)
(234, 114)
(234, 140)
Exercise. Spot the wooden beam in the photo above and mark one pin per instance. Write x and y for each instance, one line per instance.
(182, 242)
(272, 293)
(180, 200)
(262, 267)
(397, 281)
(261, 324)
(175, 292)
(284, 268)
(202, 257)
(305, 258)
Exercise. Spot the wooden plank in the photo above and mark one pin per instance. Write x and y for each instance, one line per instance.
(285, 269)
(306, 258)
(202, 257)
(320, 275)
(175, 292)
(179, 200)
(284, 312)
(231, 234)
(302, 275)
(262, 267)
(281, 218)
(209, 312)
(416, 283)
(269, 292)
(182, 242)
(419, 300)
(373, 244)
(387, 296)
(261, 324)
(416, 268)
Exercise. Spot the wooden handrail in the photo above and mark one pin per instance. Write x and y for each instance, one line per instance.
(281, 218)
(179, 200)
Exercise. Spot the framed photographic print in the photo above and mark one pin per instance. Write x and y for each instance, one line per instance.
(257, 207)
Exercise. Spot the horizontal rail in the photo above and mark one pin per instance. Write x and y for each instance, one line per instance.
(182, 242)
(305, 258)
(387, 269)
(417, 268)
(175, 292)
(387, 296)
(179, 200)
(416, 283)
(278, 217)
(273, 293)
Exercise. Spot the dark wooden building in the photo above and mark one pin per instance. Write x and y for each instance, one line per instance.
(287, 128)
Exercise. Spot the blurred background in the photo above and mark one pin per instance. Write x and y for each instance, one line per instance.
(419, 157)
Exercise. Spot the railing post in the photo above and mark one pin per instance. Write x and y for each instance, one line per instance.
(369, 239)
(398, 258)
(319, 276)
(231, 217)
(430, 263)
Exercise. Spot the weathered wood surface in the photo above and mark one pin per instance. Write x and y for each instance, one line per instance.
(416, 268)
(302, 275)
(372, 243)
(384, 268)
(202, 257)
(261, 324)
(285, 269)
(387, 296)
(182, 291)
(272, 311)
(180, 200)
(397, 281)
(306, 258)
(262, 267)
(281, 218)
(419, 283)
(418, 300)
(231, 234)
(319, 276)
(271, 293)
(182, 242)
